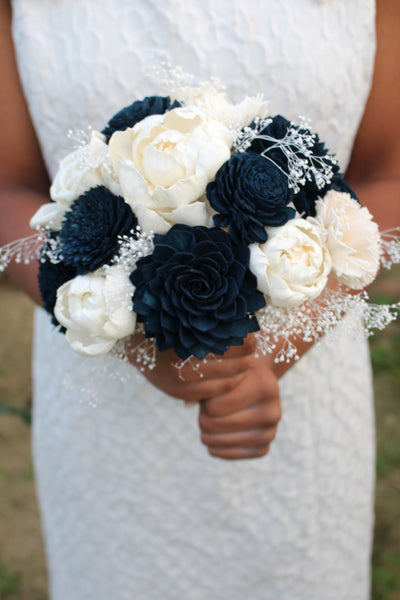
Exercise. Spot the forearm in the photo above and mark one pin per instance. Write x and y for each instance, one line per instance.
(17, 205)
(382, 198)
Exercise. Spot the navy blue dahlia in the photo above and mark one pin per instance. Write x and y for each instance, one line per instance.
(249, 193)
(195, 293)
(90, 230)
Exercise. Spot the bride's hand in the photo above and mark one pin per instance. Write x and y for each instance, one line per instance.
(242, 422)
(238, 396)
(212, 379)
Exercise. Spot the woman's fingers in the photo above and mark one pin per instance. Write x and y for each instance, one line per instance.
(238, 453)
(235, 360)
(214, 368)
(243, 422)
(262, 415)
(255, 387)
(243, 443)
(253, 438)
(208, 388)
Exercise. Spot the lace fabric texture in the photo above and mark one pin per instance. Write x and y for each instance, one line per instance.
(132, 505)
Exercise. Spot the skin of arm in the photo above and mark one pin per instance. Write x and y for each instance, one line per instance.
(238, 396)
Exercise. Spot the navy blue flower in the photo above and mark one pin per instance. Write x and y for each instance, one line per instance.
(137, 111)
(250, 192)
(305, 199)
(276, 130)
(195, 293)
(90, 230)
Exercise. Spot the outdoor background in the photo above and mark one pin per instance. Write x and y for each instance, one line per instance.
(22, 565)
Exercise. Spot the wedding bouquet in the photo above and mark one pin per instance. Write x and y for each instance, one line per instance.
(203, 221)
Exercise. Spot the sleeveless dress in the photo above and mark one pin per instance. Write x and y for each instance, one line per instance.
(133, 506)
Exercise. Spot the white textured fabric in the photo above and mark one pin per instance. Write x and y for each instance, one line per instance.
(132, 504)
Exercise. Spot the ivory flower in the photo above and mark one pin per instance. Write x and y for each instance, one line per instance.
(49, 215)
(164, 164)
(83, 169)
(237, 116)
(293, 265)
(351, 236)
(96, 310)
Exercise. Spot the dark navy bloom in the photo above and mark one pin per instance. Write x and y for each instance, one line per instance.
(90, 230)
(195, 293)
(277, 130)
(250, 192)
(137, 111)
(305, 199)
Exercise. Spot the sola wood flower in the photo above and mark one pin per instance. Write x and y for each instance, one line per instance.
(91, 231)
(352, 238)
(195, 293)
(96, 310)
(293, 265)
(249, 193)
(164, 164)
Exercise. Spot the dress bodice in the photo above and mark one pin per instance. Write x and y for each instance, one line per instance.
(81, 61)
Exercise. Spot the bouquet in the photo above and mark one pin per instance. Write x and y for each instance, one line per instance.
(199, 221)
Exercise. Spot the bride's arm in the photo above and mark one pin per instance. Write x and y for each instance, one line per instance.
(23, 178)
(374, 170)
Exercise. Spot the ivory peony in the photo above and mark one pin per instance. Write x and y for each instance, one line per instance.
(164, 164)
(96, 310)
(293, 265)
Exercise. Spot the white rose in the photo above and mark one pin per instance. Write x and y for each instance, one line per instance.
(48, 215)
(352, 238)
(96, 310)
(86, 167)
(292, 265)
(164, 164)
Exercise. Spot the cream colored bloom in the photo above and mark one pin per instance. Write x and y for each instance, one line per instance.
(351, 237)
(96, 310)
(86, 167)
(49, 215)
(292, 265)
(236, 116)
(164, 164)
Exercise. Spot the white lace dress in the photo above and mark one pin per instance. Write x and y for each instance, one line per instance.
(133, 507)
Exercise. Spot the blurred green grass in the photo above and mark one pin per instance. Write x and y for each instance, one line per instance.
(385, 356)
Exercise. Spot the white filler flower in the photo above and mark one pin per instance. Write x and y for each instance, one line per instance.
(351, 236)
(96, 310)
(293, 265)
(164, 164)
